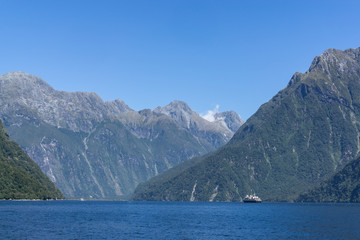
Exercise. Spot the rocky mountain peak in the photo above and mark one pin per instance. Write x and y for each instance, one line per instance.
(354, 53)
(76, 110)
(175, 106)
(224, 124)
(19, 75)
(16, 82)
(180, 112)
(336, 60)
(118, 106)
(230, 119)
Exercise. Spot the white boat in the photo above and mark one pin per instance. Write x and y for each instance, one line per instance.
(252, 199)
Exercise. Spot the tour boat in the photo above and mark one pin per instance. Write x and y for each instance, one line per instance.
(252, 199)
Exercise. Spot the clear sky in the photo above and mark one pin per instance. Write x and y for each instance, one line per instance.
(235, 54)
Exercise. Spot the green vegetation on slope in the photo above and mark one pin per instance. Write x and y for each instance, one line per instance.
(344, 186)
(300, 137)
(20, 177)
(109, 162)
(151, 188)
(95, 149)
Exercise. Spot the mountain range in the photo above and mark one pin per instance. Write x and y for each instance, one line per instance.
(304, 135)
(95, 149)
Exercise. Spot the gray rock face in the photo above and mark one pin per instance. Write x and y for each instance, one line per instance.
(74, 111)
(334, 59)
(230, 119)
(215, 133)
(95, 149)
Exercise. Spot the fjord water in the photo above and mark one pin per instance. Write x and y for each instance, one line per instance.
(176, 220)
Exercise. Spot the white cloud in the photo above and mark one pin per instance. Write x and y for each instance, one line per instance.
(210, 115)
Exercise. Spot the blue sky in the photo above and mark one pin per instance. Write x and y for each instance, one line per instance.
(235, 54)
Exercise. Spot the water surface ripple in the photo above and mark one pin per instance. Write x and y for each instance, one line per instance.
(176, 220)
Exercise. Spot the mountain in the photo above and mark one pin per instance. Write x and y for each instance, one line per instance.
(95, 149)
(230, 119)
(216, 133)
(302, 136)
(20, 177)
(344, 186)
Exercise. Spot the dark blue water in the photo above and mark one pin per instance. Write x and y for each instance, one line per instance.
(175, 220)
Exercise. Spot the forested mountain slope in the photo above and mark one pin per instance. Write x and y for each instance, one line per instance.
(20, 177)
(302, 136)
(344, 186)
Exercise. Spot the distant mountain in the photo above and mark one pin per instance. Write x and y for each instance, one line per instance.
(344, 186)
(230, 119)
(95, 149)
(20, 177)
(216, 133)
(302, 136)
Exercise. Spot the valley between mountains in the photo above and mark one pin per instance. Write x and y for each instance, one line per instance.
(102, 150)
(302, 145)
(299, 140)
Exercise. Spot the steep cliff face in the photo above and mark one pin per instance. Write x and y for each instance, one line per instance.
(91, 148)
(304, 134)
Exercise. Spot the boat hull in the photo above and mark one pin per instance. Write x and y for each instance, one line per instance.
(252, 201)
